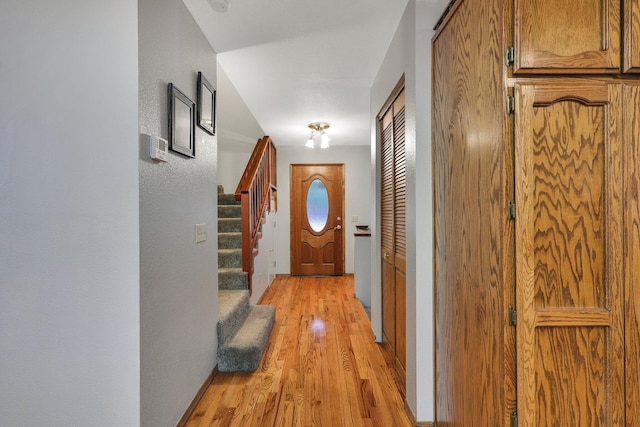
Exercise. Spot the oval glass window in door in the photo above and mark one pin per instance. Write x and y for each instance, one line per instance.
(317, 205)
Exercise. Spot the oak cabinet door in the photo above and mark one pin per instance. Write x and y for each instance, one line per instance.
(632, 36)
(569, 253)
(569, 36)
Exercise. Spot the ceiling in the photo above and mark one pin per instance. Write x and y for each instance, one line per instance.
(294, 62)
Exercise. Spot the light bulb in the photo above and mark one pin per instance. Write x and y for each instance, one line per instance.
(324, 140)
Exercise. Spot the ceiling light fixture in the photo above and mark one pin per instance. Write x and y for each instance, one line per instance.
(318, 128)
(219, 5)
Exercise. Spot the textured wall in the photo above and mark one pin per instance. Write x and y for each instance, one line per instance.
(69, 312)
(178, 284)
(409, 53)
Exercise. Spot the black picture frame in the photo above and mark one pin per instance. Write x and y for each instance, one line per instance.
(206, 104)
(182, 130)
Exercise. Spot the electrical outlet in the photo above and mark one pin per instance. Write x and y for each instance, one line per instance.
(201, 232)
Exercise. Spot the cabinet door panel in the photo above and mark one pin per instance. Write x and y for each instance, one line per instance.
(569, 265)
(632, 36)
(569, 36)
(632, 252)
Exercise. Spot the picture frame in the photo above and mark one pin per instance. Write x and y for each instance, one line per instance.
(182, 129)
(206, 104)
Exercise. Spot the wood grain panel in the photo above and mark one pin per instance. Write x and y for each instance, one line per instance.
(589, 30)
(401, 323)
(470, 189)
(570, 332)
(631, 36)
(568, 252)
(571, 367)
(631, 99)
(389, 303)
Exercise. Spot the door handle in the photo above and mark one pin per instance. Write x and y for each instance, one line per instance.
(337, 227)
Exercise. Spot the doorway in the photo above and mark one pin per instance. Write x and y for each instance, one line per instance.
(317, 212)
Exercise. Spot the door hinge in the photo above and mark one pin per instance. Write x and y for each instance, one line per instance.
(511, 105)
(513, 419)
(512, 316)
(511, 211)
(510, 56)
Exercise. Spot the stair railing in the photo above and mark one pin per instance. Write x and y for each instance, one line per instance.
(256, 191)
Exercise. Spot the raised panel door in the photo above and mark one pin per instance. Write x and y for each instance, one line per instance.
(631, 99)
(631, 36)
(569, 258)
(569, 36)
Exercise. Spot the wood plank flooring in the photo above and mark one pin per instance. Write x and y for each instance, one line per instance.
(322, 367)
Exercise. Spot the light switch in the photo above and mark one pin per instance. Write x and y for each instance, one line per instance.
(354, 218)
(201, 232)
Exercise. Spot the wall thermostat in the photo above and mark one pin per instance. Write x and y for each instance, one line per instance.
(158, 148)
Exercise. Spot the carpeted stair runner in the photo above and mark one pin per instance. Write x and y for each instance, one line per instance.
(243, 330)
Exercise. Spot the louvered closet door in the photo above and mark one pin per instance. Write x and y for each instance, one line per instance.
(393, 231)
(387, 234)
(400, 231)
(569, 259)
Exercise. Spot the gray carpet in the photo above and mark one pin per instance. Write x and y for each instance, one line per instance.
(243, 330)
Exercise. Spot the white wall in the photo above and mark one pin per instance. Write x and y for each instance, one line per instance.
(263, 264)
(178, 282)
(69, 262)
(427, 15)
(410, 53)
(356, 161)
(230, 168)
(238, 132)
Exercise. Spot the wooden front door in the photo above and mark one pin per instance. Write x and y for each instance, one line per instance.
(393, 228)
(317, 212)
(569, 258)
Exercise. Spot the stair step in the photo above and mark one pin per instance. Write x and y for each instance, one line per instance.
(228, 225)
(229, 258)
(244, 351)
(227, 199)
(229, 211)
(232, 279)
(230, 240)
(234, 308)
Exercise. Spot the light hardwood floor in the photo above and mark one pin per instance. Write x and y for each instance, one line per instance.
(322, 367)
